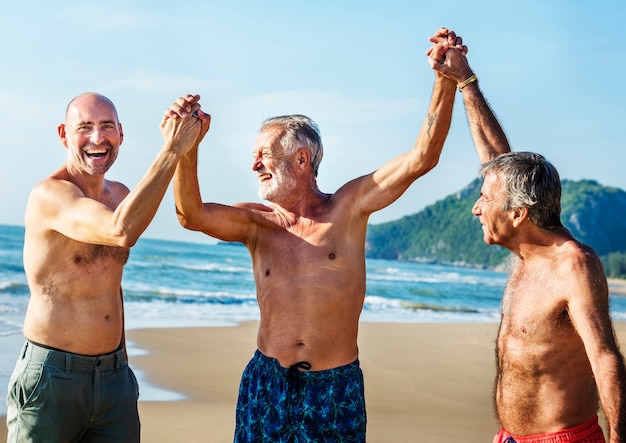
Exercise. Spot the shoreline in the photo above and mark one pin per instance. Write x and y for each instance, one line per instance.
(423, 381)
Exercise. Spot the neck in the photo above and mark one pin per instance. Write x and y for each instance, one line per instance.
(91, 185)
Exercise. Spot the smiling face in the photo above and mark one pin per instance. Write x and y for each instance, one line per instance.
(92, 134)
(273, 167)
(496, 222)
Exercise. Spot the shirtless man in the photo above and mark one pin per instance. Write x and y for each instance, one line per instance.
(308, 259)
(556, 352)
(72, 381)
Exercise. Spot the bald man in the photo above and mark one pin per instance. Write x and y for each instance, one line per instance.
(72, 381)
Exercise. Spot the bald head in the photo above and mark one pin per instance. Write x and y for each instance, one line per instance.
(89, 100)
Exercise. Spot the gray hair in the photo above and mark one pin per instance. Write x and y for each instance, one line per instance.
(529, 181)
(300, 132)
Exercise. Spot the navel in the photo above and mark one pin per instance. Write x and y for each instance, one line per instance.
(331, 256)
(267, 272)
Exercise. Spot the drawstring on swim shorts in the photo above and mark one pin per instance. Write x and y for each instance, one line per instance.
(293, 385)
(293, 374)
(510, 440)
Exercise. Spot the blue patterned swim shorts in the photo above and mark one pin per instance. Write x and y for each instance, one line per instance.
(286, 405)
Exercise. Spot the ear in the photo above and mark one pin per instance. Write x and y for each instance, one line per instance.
(303, 157)
(62, 134)
(519, 216)
(121, 133)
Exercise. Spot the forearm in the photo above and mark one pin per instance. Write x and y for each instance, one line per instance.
(136, 211)
(612, 389)
(489, 138)
(392, 179)
(187, 190)
(434, 131)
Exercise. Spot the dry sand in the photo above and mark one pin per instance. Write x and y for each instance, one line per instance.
(423, 382)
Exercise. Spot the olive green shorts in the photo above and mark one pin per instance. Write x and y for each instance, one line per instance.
(56, 396)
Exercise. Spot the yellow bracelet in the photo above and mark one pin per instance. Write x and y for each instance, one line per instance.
(470, 79)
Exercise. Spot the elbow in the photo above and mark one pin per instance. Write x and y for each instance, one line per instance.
(429, 163)
(182, 219)
(127, 238)
(128, 242)
(123, 236)
(186, 220)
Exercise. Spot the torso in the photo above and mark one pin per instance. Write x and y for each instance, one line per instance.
(544, 379)
(310, 287)
(76, 301)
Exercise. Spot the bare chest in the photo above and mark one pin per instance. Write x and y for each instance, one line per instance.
(316, 251)
(87, 255)
(533, 306)
(536, 333)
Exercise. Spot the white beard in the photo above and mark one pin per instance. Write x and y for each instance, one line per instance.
(281, 184)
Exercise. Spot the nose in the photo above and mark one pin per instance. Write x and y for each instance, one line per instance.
(476, 208)
(97, 136)
(257, 163)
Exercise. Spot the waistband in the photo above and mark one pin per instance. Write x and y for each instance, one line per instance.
(588, 431)
(74, 362)
(268, 364)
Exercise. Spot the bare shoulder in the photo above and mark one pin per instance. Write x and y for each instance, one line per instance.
(253, 206)
(351, 188)
(581, 274)
(50, 194)
(576, 258)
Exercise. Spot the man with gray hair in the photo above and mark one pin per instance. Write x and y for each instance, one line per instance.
(556, 352)
(308, 257)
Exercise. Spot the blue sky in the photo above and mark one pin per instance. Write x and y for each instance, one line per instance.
(552, 70)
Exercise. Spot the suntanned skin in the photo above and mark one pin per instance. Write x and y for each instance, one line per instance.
(556, 352)
(307, 247)
(80, 226)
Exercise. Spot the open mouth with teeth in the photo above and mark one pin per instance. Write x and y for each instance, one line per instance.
(265, 176)
(96, 153)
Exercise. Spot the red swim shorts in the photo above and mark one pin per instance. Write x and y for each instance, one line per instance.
(588, 432)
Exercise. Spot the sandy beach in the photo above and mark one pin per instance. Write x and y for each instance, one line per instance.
(423, 382)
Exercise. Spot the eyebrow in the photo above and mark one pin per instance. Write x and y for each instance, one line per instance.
(89, 122)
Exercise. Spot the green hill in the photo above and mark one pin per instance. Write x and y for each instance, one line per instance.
(447, 232)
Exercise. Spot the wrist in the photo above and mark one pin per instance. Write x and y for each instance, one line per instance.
(442, 78)
(471, 79)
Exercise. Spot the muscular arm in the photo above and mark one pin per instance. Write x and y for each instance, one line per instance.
(60, 204)
(588, 308)
(385, 185)
(227, 223)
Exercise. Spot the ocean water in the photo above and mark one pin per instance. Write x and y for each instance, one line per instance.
(168, 283)
(175, 284)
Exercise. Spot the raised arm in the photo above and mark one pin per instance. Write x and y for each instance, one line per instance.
(115, 216)
(388, 183)
(489, 138)
(228, 223)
